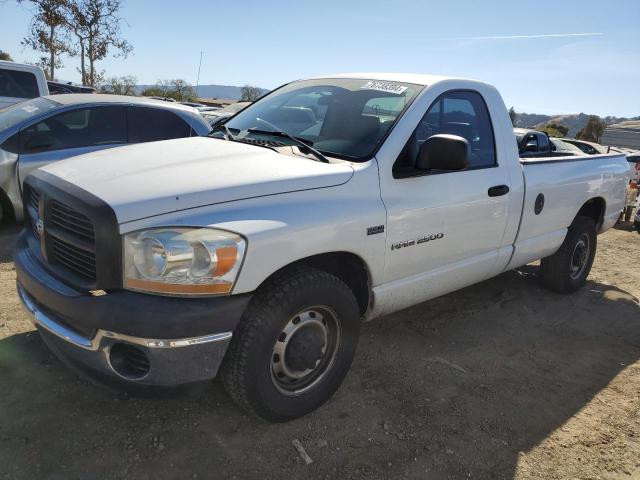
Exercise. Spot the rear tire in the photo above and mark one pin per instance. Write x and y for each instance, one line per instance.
(293, 346)
(567, 270)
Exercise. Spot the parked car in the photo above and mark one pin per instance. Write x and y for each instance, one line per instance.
(533, 143)
(590, 148)
(560, 146)
(633, 192)
(19, 82)
(47, 129)
(219, 115)
(58, 88)
(261, 247)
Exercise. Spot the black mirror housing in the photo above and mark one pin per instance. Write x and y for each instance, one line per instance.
(443, 152)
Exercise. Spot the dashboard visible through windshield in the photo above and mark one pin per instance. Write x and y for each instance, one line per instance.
(347, 118)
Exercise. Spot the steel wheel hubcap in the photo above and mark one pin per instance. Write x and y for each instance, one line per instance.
(580, 256)
(305, 350)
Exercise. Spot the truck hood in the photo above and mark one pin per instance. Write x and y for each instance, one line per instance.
(150, 179)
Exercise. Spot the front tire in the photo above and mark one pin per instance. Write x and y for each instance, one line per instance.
(293, 346)
(567, 270)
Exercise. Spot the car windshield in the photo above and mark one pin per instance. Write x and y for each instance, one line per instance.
(347, 118)
(19, 112)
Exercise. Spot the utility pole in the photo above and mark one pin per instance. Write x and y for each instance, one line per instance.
(198, 80)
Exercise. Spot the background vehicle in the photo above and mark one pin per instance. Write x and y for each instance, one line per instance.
(47, 129)
(258, 249)
(58, 88)
(533, 143)
(19, 82)
(589, 148)
(565, 148)
(219, 115)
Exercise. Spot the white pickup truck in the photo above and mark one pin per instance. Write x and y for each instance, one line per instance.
(19, 82)
(259, 250)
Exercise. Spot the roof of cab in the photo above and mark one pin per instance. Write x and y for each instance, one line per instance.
(81, 98)
(415, 78)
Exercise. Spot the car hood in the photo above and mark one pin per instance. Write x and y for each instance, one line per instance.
(149, 179)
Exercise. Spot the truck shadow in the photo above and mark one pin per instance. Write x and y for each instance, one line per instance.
(460, 386)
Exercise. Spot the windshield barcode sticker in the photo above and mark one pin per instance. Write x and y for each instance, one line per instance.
(388, 87)
(30, 108)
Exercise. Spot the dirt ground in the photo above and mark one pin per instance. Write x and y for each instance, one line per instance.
(499, 380)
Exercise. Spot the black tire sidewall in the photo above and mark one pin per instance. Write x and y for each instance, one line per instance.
(267, 401)
(580, 226)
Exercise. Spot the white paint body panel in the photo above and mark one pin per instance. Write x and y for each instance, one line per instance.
(290, 208)
(43, 88)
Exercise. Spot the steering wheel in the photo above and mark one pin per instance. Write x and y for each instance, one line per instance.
(269, 124)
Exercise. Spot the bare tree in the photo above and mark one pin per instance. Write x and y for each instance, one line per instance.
(249, 93)
(47, 33)
(96, 27)
(121, 85)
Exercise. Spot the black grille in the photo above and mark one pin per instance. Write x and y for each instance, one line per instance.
(71, 239)
(71, 221)
(74, 258)
(34, 205)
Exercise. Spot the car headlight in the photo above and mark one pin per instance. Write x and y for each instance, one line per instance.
(182, 261)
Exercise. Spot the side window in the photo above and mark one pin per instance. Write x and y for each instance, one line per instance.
(153, 124)
(462, 113)
(17, 84)
(77, 128)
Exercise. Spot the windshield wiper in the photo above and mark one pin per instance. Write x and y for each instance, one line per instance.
(227, 133)
(300, 143)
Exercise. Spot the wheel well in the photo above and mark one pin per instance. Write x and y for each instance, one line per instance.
(594, 209)
(348, 267)
(7, 208)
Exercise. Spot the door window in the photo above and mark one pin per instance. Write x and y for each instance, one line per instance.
(153, 124)
(461, 113)
(17, 84)
(76, 128)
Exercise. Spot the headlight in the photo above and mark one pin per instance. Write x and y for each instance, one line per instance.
(182, 261)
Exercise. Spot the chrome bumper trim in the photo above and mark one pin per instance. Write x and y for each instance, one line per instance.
(40, 319)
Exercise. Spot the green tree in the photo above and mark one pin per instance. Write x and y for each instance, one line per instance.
(555, 130)
(177, 89)
(249, 93)
(5, 56)
(513, 116)
(95, 24)
(125, 85)
(48, 34)
(593, 130)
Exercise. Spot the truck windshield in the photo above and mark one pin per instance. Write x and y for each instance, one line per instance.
(19, 112)
(347, 118)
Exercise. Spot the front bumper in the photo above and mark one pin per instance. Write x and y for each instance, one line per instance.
(126, 336)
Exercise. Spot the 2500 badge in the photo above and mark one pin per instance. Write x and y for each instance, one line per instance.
(422, 239)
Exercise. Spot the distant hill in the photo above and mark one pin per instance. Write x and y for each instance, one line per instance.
(575, 122)
(210, 91)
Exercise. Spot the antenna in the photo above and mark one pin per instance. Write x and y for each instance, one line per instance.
(198, 80)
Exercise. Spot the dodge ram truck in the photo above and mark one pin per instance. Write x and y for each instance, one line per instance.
(256, 252)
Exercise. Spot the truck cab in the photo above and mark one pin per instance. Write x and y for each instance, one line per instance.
(19, 82)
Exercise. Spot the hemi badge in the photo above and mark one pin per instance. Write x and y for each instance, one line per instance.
(375, 230)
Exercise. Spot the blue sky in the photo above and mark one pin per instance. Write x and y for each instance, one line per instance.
(521, 47)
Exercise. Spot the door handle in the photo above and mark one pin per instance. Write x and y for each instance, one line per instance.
(498, 190)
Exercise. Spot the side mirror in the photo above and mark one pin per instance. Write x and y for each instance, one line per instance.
(443, 152)
(531, 147)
